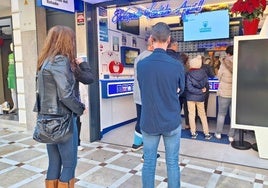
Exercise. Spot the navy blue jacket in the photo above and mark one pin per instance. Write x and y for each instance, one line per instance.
(196, 79)
(209, 71)
(159, 76)
(174, 54)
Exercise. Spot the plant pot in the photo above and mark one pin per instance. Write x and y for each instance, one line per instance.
(251, 27)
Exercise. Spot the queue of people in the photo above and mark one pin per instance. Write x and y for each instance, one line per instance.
(208, 68)
(164, 81)
(168, 81)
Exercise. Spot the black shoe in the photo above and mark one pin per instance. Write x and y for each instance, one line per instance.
(136, 147)
(142, 158)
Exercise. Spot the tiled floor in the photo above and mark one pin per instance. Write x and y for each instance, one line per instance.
(12, 116)
(207, 150)
(23, 163)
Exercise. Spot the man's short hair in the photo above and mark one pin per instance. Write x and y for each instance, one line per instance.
(160, 32)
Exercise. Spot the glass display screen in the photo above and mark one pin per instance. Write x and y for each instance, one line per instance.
(131, 26)
(206, 26)
(252, 83)
(128, 55)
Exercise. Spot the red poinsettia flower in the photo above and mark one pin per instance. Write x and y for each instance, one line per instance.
(249, 9)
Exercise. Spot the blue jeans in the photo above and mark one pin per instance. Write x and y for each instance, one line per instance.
(137, 140)
(172, 146)
(137, 126)
(62, 158)
(224, 105)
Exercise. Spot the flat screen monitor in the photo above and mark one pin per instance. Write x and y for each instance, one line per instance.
(131, 26)
(128, 55)
(206, 26)
(250, 83)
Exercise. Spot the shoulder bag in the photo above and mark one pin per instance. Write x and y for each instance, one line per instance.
(52, 129)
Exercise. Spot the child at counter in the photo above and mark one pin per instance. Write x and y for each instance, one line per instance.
(196, 80)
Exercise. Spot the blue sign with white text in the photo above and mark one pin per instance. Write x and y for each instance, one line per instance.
(115, 88)
(213, 84)
(62, 5)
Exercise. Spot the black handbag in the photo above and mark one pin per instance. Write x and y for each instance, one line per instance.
(51, 129)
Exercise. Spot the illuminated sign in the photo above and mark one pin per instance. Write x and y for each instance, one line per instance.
(116, 88)
(66, 5)
(156, 11)
(213, 84)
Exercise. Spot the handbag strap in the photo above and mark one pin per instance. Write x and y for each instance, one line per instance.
(37, 93)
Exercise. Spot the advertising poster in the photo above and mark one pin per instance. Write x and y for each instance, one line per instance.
(103, 25)
(115, 43)
(124, 40)
(80, 18)
(134, 42)
(102, 11)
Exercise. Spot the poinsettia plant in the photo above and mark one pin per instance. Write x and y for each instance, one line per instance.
(249, 9)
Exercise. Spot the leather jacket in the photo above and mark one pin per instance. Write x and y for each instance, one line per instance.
(56, 89)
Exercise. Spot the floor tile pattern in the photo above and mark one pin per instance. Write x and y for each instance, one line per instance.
(23, 163)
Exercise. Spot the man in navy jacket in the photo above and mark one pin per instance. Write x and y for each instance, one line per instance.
(160, 78)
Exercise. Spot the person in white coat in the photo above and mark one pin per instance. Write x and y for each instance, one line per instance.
(225, 93)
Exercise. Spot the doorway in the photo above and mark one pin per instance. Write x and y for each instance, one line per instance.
(8, 94)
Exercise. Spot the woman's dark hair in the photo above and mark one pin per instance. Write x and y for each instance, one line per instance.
(230, 50)
(184, 58)
(172, 41)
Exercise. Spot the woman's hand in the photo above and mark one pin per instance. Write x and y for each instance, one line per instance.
(79, 60)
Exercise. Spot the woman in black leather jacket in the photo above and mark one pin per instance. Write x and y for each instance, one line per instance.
(58, 96)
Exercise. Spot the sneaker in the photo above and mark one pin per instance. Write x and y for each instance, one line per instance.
(194, 135)
(5, 106)
(217, 135)
(142, 158)
(231, 139)
(208, 136)
(136, 147)
(80, 148)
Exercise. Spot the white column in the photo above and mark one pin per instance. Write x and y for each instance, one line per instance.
(81, 43)
(25, 51)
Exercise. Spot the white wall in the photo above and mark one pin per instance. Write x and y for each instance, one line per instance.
(118, 109)
(107, 47)
(81, 45)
